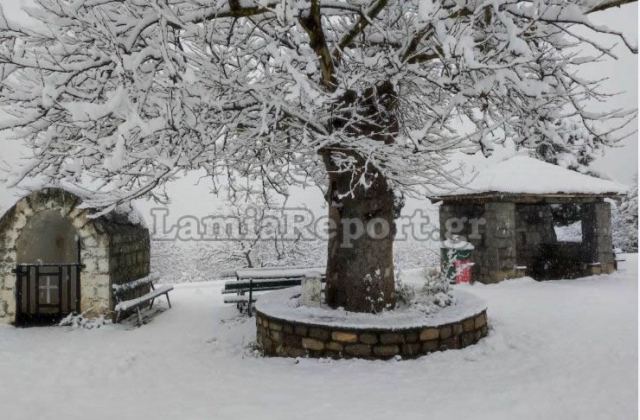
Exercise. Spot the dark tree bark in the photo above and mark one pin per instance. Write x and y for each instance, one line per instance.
(360, 271)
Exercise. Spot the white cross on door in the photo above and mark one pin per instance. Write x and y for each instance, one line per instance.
(47, 288)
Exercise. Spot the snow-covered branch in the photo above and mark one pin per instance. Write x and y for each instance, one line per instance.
(124, 95)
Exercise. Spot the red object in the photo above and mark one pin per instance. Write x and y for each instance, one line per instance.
(463, 271)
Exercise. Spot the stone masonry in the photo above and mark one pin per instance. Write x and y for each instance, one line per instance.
(286, 338)
(596, 235)
(494, 251)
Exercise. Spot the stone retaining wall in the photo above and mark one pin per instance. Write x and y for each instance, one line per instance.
(278, 337)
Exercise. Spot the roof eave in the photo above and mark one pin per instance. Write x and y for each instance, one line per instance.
(504, 196)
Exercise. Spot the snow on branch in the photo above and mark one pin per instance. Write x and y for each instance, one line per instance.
(126, 94)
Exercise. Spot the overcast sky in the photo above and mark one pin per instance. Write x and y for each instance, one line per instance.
(619, 163)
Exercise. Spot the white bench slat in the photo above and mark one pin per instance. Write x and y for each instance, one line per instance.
(278, 272)
(238, 299)
(258, 282)
(125, 305)
(119, 288)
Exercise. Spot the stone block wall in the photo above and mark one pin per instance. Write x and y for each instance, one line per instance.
(494, 251)
(8, 235)
(129, 257)
(283, 338)
(596, 237)
(497, 259)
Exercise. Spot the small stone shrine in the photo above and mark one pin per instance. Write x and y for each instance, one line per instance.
(56, 260)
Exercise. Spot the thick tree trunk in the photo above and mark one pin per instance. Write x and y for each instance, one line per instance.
(360, 272)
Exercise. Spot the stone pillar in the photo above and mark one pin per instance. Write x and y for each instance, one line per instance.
(464, 220)
(497, 259)
(596, 237)
(492, 234)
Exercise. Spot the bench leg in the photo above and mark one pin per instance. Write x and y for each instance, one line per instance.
(250, 297)
(139, 316)
(151, 303)
(168, 301)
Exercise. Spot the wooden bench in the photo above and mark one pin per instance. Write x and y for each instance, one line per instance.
(251, 280)
(124, 306)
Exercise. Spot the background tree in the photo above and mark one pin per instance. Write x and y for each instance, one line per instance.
(260, 238)
(365, 96)
(624, 223)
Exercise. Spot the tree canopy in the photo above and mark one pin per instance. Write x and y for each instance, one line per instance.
(125, 93)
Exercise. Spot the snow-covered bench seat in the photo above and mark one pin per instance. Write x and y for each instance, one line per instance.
(125, 306)
(238, 299)
(252, 280)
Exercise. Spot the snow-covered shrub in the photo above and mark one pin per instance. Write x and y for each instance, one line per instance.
(405, 293)
(430, 295)
(435, 281)
(436, 287)
(79, 321)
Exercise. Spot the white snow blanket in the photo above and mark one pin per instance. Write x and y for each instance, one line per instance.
(569, 233)
(526, 175)
(555, 350)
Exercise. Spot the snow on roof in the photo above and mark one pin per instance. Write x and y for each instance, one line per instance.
(525, 175)
(125, 213)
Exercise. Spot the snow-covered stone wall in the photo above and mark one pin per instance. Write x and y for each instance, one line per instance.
(286, 338)
(288, 327)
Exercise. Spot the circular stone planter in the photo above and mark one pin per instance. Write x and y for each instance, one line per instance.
(284, 328)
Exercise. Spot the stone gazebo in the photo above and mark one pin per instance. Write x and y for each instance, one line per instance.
(507, 213)
(55, 259)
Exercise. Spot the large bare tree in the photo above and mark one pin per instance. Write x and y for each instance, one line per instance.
(368, 96)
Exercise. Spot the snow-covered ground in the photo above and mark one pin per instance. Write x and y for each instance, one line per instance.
(556, 350)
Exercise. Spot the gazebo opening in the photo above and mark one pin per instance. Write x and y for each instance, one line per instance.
(548, 246)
